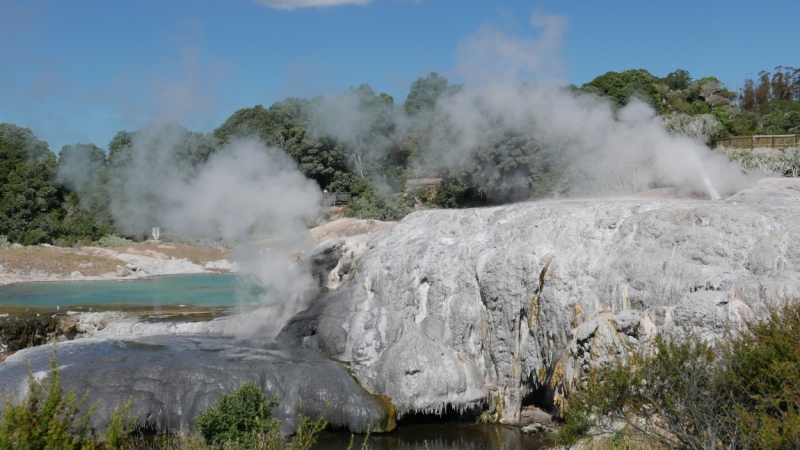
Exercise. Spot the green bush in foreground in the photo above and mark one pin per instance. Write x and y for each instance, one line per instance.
(239, 417)
(50, 419)
(763, 378)
(244, 420)
(745, 394)
(47, 418)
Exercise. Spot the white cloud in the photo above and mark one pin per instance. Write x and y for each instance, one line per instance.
(294, 4)
(491, 54)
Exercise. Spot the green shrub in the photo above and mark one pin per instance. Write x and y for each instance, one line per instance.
(4, 242)
(763, 378)
(371, 204)
(47, 418)
(742, 394)
(307, 432)
(111, 241)
(243, 420)
(239, 418)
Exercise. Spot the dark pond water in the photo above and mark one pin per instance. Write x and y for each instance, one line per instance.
(444, 436)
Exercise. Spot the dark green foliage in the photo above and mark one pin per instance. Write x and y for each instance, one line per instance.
(82, 175)
(698, 108)
(678, 80)
(371, 204)
(782, 122)
(620, 87)
(510, 168)
(425, 91)
(691, 395)
(456, 192)
(29, 204)
(357, 137)
(763, 379)
(50, 419)
(288, 125)
(238, 418)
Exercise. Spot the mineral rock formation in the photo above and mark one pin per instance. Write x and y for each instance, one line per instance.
(171, 379)
(466, 309)
(347, 227)
(503, 306)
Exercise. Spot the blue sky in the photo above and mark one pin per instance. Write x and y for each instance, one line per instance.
(79, 71)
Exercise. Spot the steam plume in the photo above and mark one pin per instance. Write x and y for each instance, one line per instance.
(244, 192)
(599, 150)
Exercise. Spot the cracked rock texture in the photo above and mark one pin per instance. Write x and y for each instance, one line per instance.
(504, 306)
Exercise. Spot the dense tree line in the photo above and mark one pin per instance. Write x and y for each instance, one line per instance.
(365, 143)
(34, 206)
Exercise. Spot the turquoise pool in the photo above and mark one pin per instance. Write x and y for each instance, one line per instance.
(167, 292)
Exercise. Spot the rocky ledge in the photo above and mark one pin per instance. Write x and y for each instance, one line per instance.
(17, 333)
(501, 307)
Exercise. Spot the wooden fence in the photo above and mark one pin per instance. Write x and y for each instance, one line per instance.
(336, 198)
(763, 141)
(426, 183)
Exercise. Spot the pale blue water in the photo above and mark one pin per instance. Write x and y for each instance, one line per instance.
(196, 291)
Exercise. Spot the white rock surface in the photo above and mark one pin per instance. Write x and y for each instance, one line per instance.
(505, 305)
(224, 264)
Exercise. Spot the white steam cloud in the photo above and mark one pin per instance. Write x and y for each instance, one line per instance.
(631, 151)
(492, 56)
(603, 146)
(244, 191)
(515, 84)
(246, 194)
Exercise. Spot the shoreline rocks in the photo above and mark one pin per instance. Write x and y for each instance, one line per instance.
(17, 333)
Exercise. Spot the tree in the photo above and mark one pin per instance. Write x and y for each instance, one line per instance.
(424, 93)
(678, 80)
(703, 127)
(747, 96)
(29, 204)
(82, 168)
(82, 177)
(507, 168)
(710, 91)
(365, 124)
(762, 91)
(621, 87)
(290, 125)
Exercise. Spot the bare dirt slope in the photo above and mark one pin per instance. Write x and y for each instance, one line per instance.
(348, 227)
(46, 263)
